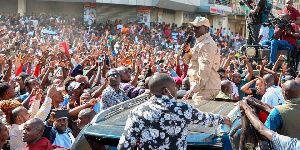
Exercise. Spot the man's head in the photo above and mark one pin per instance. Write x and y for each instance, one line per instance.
(6, 91)
(4, 133)
(82, 79)
(61, 124)
(269, 80)
(85, 97)
(186, 82)
(85, 116)
(33, 131)
(226, 87)
(19, 115)
(30, 83)
(289, 4)
(124, 74)
(236, 78)
(201, 26)
(113, 77)
(162, 84)
(58, 96)
(291, 89)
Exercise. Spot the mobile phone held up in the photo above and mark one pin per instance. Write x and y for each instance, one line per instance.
(61, 114)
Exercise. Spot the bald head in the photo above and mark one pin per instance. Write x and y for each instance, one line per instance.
(84, 117)
(88, 112)
(269, 79)
(291, 89)
(186, 82)
(159, 81)
(226, 87)
(35, 122)
(33, 131)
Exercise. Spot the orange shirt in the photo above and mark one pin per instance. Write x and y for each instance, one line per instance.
(125, 30)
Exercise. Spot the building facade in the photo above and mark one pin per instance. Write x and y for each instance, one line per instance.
(221, 13)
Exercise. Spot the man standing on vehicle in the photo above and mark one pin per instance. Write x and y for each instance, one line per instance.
(162, 122)
(204, 59)
(254, 20)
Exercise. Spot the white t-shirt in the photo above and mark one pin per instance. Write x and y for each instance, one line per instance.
(264, 31)
(228, 32)
(119, 26)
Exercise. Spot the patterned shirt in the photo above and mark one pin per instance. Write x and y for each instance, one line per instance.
(162, 123)
(111, 97)
(280, 142)
(130, 90)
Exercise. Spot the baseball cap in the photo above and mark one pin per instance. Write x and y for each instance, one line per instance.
(199, 21)
(74, 85)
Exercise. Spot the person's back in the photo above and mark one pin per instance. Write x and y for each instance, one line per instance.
(162, 122)
(273, 95)
(289, 110)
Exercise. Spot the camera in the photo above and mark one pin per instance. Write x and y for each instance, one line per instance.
(242, 2)
(282, 24)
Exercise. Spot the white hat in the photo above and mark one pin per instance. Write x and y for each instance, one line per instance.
(199, 21)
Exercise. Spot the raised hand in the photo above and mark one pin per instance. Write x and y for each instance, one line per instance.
(284, 68)
(265, 61)
(244, 58)
(92, 102)
(231, 54)
(39, 94)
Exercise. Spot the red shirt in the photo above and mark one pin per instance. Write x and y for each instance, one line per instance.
(168, 32)
(293, 14)
(287, 37)
(42, 144)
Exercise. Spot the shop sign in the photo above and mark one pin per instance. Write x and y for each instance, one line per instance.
(217, 11)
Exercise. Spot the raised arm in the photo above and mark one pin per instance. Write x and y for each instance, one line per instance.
(258, 125)
(246, 88)
(249, 67)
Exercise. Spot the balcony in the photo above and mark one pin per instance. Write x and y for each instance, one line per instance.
(223, 2)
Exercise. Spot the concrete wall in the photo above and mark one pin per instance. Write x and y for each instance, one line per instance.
(9, 6)
(56, 8)
(154, 14)
(168, 16)
(112, 11)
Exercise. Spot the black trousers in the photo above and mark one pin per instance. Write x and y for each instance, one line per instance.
(253, 33)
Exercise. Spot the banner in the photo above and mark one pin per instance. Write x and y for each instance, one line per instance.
(90, 12)
(159, 16)
(143, 15)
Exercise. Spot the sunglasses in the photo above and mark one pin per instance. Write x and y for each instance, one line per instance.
(115, 74)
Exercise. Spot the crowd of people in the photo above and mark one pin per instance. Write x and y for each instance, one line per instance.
(58, 73)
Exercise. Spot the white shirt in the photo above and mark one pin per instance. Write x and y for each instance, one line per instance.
(228, 32)
(119, 26)
(273, 96)
(264, 31)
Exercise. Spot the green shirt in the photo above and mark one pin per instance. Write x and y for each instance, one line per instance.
(241, 93)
